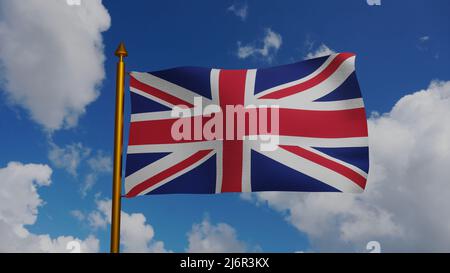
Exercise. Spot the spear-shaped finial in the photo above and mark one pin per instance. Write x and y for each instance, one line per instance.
(121, 51)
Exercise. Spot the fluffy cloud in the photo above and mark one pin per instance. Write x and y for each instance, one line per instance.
(51, 57)
(135, 234)
(424, 38)
(138, 236)
(19, 203)
(240, 10)
(72, 156)
(206, 237)
(425, 46)
(406, 202)
(68, 157)
(97, 219)
(77, 214)
(322, 50)
(98, 165)
(270, 45)
(100, 162)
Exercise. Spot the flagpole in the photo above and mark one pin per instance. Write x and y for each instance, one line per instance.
(121, 52)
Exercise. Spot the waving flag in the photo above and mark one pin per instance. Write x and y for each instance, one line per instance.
(318, 129)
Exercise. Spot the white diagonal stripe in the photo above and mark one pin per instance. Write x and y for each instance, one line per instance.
(162, 164)
(350, 166)
(304, 79)
(148, 96)
(168, 87)
(328, 85)
(312, 169)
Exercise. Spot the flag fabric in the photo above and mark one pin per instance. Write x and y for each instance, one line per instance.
(320, 145)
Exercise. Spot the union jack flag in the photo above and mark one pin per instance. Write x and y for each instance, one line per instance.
(322, 135)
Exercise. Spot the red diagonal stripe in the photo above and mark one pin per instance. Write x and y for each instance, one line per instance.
(327, 163)
(167, 173)
(327, 72)
(157, 93)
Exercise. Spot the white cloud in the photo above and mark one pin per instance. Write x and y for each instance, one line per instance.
(100, 162)
(424, 45)
(136, 235)
(61, 243)
(97, 219)
(321, 51)
(88, 184)
(51, 56)
(206, 237)
(78, 215)
(424, 38)
(72, 156)
(406, 204)
(68, 157)
(271, 43)
(240, 10)
(19, 203)
(98, 165)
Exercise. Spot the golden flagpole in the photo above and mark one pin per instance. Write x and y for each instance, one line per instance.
(121, 52)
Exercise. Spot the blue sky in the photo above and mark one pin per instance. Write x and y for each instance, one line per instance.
(401, 47)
